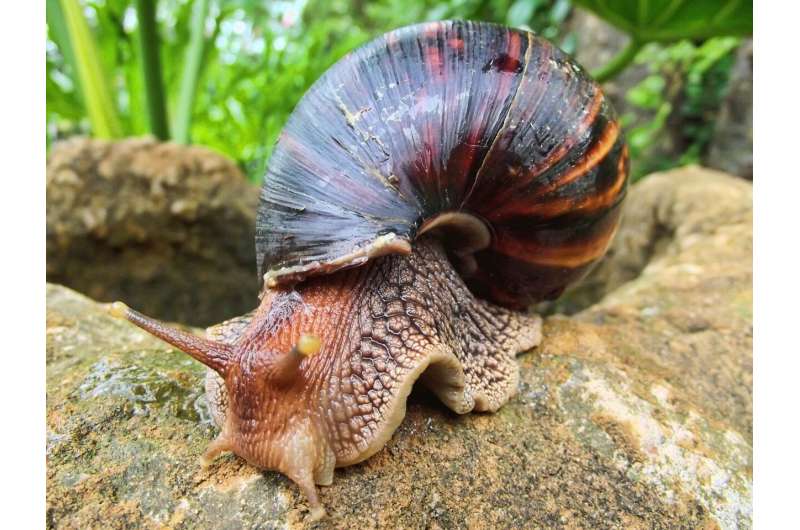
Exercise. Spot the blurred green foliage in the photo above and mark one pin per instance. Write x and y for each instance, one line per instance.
(261, 58)
(84, 58)
(672, 110)
(257, 58)
(671, 20)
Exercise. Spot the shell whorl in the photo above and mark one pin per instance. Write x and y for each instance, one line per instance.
(439, 119)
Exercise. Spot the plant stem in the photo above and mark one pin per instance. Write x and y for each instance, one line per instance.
(192, 65)
(620, 61)
(151, 65)
(56, 23)
(93, 81)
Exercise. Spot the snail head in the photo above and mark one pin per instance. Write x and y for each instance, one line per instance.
(269, 417)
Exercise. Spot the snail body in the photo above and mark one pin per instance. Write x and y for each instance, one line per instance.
(427, 187)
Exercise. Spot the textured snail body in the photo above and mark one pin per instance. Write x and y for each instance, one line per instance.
(427, 186)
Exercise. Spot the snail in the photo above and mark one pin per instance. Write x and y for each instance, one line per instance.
(429, 187)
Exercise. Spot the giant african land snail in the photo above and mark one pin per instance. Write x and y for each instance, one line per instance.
(429, 186)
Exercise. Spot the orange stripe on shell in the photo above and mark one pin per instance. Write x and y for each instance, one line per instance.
(574, 255)
(557, 155)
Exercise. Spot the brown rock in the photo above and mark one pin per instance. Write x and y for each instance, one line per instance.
(633, 413)
(167, 228)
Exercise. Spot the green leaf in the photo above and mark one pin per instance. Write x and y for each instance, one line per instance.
(559, 11)
(192, 68)
(57, 25)
(93, 81)
(520, 12)
(151, 64)
(648, 93)
(671, 20)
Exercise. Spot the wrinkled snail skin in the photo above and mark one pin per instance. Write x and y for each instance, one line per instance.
(427, 187)
(382, 326)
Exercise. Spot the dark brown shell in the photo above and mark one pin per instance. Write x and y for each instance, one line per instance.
(448, 117)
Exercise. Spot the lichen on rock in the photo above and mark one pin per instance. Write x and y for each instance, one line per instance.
(635, 411)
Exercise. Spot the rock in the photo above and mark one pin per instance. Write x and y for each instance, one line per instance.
(633, 413)
(731, 146)
(167, 228)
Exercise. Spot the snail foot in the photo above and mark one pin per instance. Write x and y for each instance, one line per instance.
(214, 449)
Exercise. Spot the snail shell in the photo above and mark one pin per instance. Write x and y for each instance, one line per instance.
(489, 136)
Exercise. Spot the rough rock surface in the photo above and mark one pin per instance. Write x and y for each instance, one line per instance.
(165, 227)
(633, 413)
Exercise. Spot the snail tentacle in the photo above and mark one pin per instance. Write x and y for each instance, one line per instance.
(215, 355)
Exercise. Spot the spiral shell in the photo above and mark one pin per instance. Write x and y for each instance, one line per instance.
(489, 136)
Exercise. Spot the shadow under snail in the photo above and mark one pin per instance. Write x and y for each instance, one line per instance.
(427, 188)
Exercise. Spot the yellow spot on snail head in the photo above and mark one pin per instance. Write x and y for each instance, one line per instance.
(308, 345)
(118, 310)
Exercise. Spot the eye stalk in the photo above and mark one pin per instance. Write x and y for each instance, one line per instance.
(215, 355)
(285, 367)
(308, 345)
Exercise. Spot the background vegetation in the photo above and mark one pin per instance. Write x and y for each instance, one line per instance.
(226, 74)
